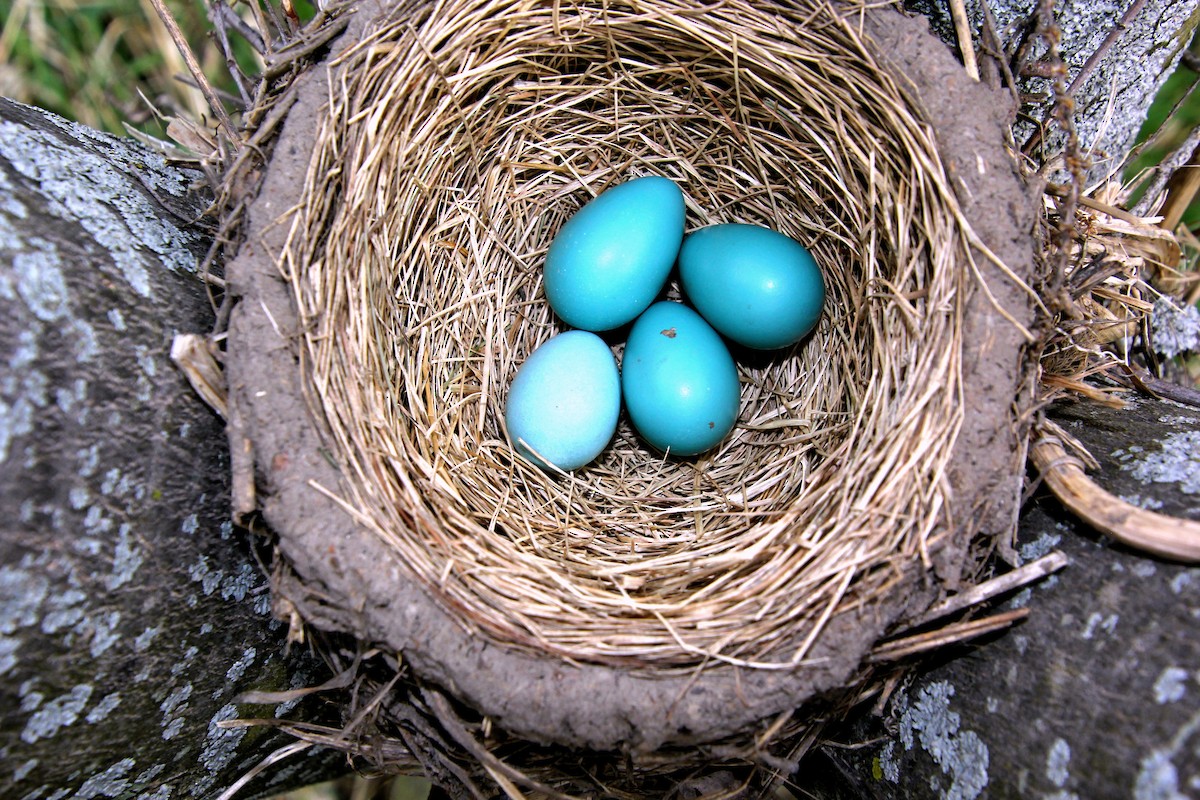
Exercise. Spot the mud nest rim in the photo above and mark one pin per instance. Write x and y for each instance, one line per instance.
(455, 144)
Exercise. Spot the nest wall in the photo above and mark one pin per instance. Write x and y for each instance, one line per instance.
(453, 140)
(462, 138)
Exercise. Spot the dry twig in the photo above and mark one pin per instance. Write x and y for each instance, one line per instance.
(966, 45)
(1168, 537)
(205, 86)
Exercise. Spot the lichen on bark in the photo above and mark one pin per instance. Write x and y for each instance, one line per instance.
(129, 605)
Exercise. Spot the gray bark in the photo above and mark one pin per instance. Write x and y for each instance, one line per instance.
(1114, 94)
(132, 613)
(1097, 694)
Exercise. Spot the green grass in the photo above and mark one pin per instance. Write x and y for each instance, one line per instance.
(93, 60)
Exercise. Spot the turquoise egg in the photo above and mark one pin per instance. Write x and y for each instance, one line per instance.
(679, 382)
(564, 401)
(756, 286)
(612, 257)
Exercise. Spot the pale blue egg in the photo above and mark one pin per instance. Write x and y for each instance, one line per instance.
(679, 382)
(756, 286)
(564, 401)
(612, 257)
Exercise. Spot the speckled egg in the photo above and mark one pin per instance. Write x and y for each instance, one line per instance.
(679, 381)
(755, 285)
(564, 402)
(612, 257)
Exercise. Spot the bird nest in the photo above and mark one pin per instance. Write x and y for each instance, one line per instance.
(452, 141)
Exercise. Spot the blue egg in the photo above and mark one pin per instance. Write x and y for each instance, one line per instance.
(612, 257)
(679, 382)
(564, 402)
(756, 286)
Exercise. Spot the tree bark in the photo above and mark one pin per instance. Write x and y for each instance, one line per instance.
(1097, 693)
(132, 613)
(1117, 54)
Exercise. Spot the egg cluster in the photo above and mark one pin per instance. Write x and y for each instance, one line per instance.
(605, 269)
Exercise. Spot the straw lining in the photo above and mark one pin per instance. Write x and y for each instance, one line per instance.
(458, 140)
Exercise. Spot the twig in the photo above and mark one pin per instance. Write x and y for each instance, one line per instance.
(494, 766)
(1157, 387)
(990, 44)
(340, 681)
(1169, 537)
(962, 29)
(1181, 190)
(951, 634)
(391, 751)
(230, 18)
(1165, 170)
(193, 66)
(1058, 190)
(1089, 66)
(1026, 574)
(287, 751)
(1062, 111)
(219, 14)
(283, 59)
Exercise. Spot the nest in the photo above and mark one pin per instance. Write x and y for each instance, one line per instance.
(458, 145)
(454, 140)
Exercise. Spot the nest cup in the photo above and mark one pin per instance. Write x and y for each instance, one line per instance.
(457, 139)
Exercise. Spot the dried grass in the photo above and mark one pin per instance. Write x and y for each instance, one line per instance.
(1115, 265)
(458, 139)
